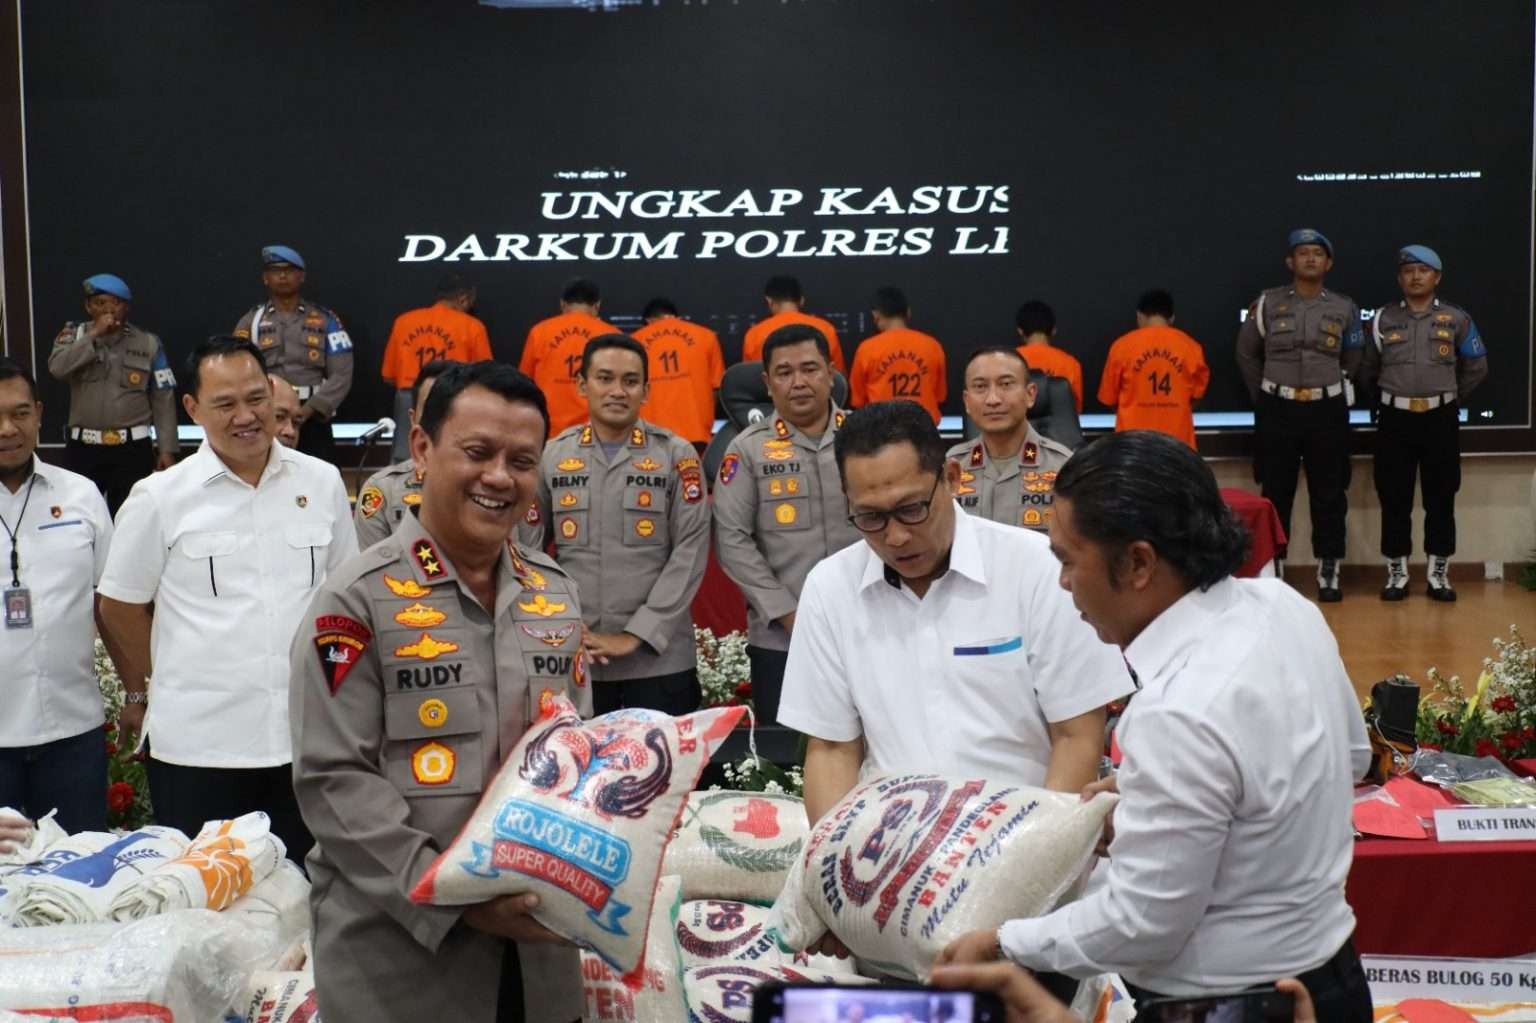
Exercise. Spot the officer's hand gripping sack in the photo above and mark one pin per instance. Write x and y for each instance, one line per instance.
(580, 815)
(903, 865)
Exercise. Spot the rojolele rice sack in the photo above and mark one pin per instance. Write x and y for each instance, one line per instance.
(579, 815)
(903, 865)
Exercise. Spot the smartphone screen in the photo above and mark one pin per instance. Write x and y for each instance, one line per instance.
(914, 1004)
(1266, 1006)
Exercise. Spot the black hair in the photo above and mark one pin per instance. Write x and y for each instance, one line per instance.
(581, 292)
(1156, 302)
(1035, 317)
(783, 288)
(498, 377)
(218, 346)
(621, 341)
(891, 301)
(10, 369)
(452, 286)
(1145, 485)
(658, 306)
(883, 423)
(795, 334)
(431, 371)
(1007, 350)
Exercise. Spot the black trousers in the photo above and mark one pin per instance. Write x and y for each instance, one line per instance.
(767, 682)
(1426, 445)
(315, 438)
(1313, 436)
(676, 694)
(114, 468)
(188, 797)
(69, 775)
(1338, 988)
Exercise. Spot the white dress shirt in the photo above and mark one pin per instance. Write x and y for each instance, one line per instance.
(962, 681)
(230, 568)
(61, 542)
(1233, 833)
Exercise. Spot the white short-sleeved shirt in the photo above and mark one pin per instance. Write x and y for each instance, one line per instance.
(230, 568)
(61, 543)
(962, 681)
(1233, 835)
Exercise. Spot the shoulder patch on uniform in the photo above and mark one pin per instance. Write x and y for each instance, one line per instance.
(339, 643)
(369, 500)
(728, 467)
(532, 518)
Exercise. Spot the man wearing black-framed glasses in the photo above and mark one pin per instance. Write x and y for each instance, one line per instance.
(943, 642)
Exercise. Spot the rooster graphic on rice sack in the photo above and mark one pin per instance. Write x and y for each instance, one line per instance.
(585, 808)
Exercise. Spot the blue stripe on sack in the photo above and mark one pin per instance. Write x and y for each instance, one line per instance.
(1002, 646)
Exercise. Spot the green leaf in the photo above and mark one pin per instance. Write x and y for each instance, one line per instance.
(754, 861)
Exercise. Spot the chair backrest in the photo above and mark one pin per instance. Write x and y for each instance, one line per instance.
(1055, 411)
(744, 398)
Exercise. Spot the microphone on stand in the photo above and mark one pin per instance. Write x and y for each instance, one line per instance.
(385, 424)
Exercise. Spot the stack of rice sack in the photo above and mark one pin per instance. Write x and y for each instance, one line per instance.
(903, 865)
(711, 939)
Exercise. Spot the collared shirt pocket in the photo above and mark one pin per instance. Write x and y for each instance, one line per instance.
(432, 742)
(990, 664)
(135, 372)
(1330, 335)
(1281, 332)
(645, 517)
(308, 543)
(67, 542)
(783, 504)
(217, 549)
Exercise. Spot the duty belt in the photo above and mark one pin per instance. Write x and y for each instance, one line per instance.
(109, 437)
(1301, 393)
(1434, 401)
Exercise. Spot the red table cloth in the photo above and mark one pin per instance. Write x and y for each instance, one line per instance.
(1263, 522)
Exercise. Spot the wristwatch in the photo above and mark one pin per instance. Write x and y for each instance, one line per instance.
(136, 698)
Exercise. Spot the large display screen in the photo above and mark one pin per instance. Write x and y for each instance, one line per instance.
(974, 154)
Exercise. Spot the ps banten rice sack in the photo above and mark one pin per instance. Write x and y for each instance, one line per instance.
(737, 845)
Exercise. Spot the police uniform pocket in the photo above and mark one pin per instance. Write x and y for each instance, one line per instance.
(1395, 348)
(1281, 333)
(308, 544)
(778, 515)
(1442, 345)
(432, 745)
(135, 373)
(1330, 336)
(644, 529)
(570, 528)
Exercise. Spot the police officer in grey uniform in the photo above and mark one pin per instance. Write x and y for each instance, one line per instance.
(388, 496)
(119, 382)
(779, 506)
(1425, 356)
(1298, 348)
(623, 502)
(1008, 474)
(418, 667)
(305, 344)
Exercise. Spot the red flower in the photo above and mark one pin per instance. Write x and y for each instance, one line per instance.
(109, 728)
(1528, 732)
(111, 748)
(1511, 741)
(1503, 704)
(120, 797)
(1432, 745)
(744, 689)
(1444, 727)
(1487, 748)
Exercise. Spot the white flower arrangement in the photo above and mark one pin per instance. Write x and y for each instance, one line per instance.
(725, 672)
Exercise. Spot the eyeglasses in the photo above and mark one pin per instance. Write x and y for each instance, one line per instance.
(914, 514)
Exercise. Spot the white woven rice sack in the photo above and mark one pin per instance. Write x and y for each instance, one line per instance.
(723, 994)
(659, 997)
(580, 815)
(714, 931)
(282, 998)
(737, 845)
(903, 865)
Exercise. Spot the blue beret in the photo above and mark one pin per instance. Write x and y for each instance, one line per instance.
(1419, 254)
(1307, 236)
(108, 284)
(273, 254)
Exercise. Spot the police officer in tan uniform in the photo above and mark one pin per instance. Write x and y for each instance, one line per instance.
(304, 343)
(1297, 349)
(417, 668)
(779, 506)
(119, 382)
(1008, 474)
(388, 496)
(1425, 356)
(623, 501)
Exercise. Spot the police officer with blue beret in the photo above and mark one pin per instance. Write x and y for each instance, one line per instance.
(119, 383)
(1424, 358)
(304, 343)
(1298, 347)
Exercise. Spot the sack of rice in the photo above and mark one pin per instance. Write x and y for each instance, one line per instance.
(723, 994)
(282, 998)
(715, 931)
(905, 864)
(580, 815)
(736, 845)
(659, 997)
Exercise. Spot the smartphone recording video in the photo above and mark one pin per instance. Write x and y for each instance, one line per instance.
(822, 1003)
